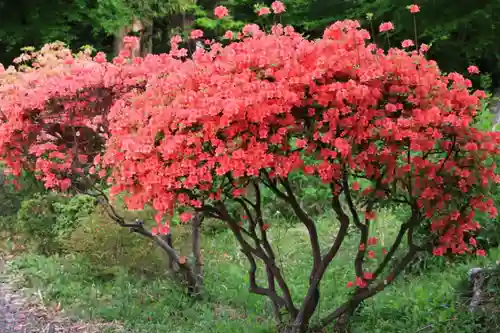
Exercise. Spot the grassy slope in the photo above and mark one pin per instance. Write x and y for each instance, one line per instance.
(420, 301)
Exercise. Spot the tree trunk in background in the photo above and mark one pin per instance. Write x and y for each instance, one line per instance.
(137, 26)
(118, 42)
(168, 26)
(186, 21)
(172, 267)
(147, 39)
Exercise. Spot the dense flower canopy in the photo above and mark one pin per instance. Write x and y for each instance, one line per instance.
(54, 108)
(176, 131)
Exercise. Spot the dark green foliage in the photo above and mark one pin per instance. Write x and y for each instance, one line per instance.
(463, 33)
(47, 219)
(36, 22)
(37, 220)
(489, 235)
(77, 22)
(70, 213)
(12, 197)
(110, 247)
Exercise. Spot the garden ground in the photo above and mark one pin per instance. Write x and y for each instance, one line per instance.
(431, 300)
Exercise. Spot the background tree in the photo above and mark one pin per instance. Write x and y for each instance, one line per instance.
(102, 24)
(118, 17)
(35, 23)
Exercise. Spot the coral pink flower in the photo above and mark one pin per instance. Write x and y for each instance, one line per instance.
(424, 48)
(221, 11)
(370, 215)
(414, 9)
(195, 34)
(473, 69)
(407, 43)
(386, 26)
(355, 186)
(264, 11)
(176, 39)
(278, 7)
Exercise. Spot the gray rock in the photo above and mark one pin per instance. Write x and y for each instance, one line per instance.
(495, 107)
(472, 272)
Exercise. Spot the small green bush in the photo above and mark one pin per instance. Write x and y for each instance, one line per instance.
(47, 219)
(489, 235)
(108, 246)
(37, 219)
(71, 212)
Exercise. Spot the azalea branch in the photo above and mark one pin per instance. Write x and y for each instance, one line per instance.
(254, 288)
(448, 154)
(273, 185)
(310, 301)
(368, 292)
(192, 276)
(196, 249)
(307, 221)
(243, 204)
(261, 254)
(255, 219)
(363, 228)
(260, 220)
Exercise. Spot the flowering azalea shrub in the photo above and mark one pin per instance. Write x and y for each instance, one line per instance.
(200, 134)
(54, 108)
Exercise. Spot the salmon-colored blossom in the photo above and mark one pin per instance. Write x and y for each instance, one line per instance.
(473, 69)
(264, 11)
(221, 11)
(184, 133)
(355, 186)
(414, 9)
(407, 43)
(386, 26)
(370, 215)
(424, 48)
(197, 33)
(278, 7)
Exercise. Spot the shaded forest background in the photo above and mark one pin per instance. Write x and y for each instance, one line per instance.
(462, 33)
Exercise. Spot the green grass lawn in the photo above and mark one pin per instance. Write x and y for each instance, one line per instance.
(424, 301)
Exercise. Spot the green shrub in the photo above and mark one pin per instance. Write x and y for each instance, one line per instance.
(37, 219)
(489, 235)
(71, 212)
(47, 219)
(10, 202)
(109, 246)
